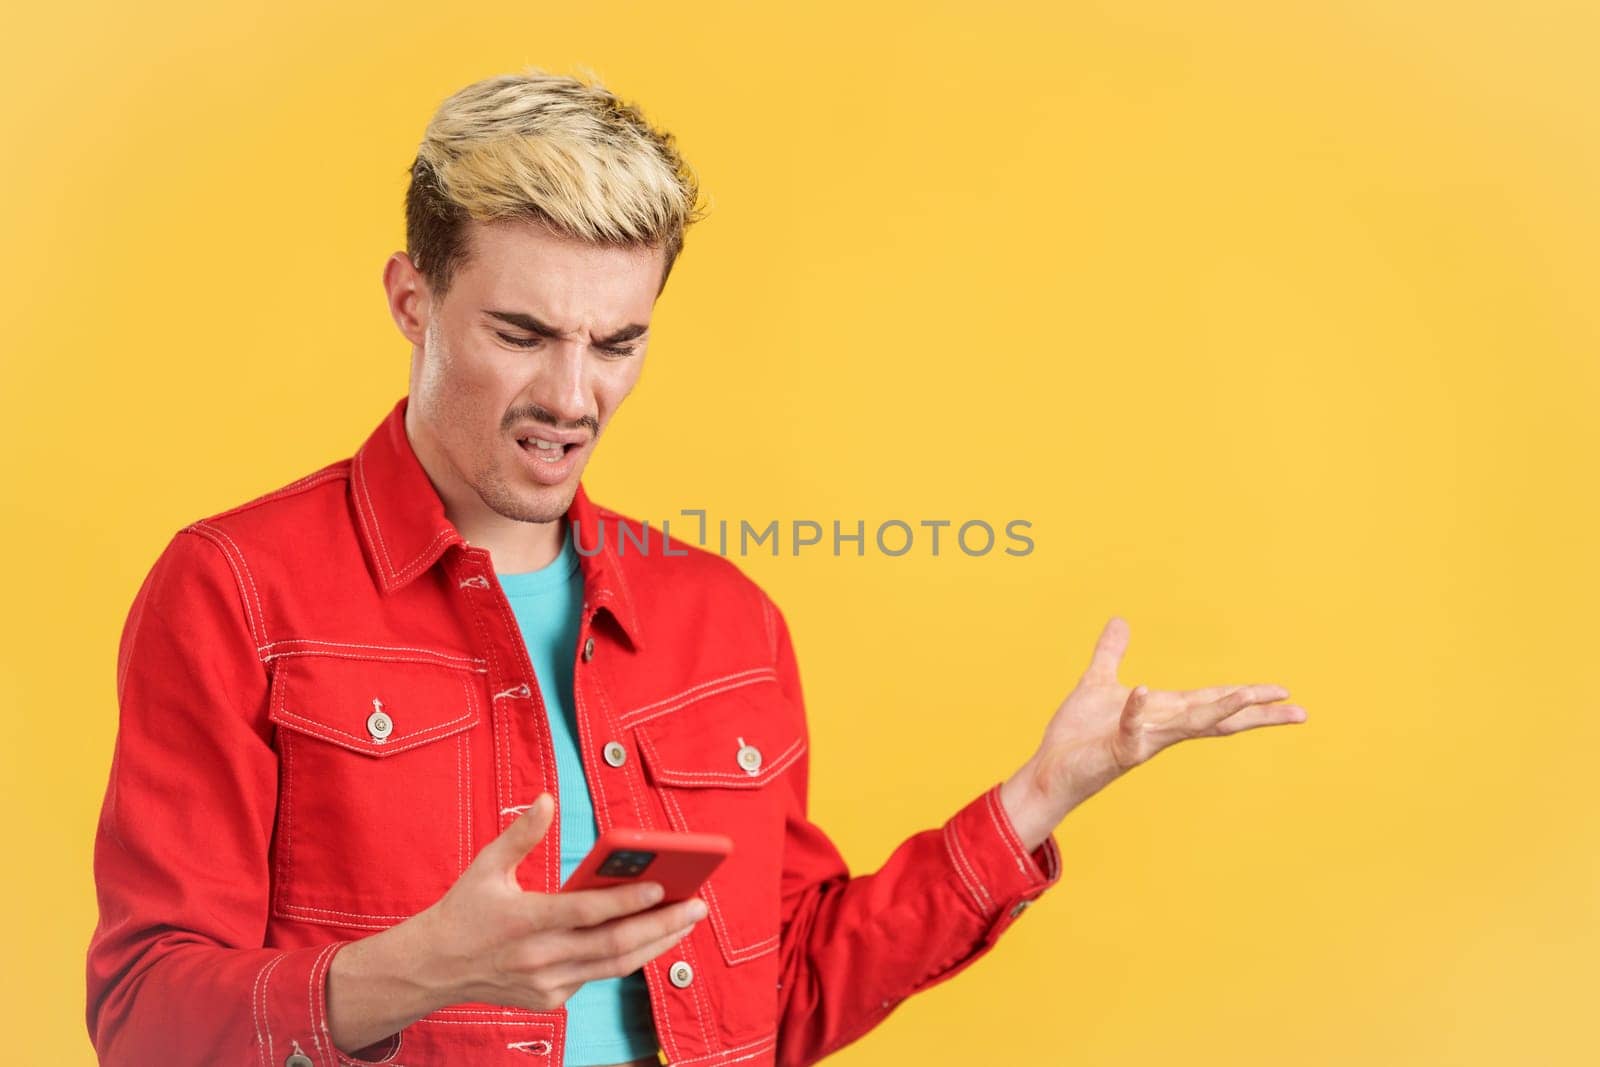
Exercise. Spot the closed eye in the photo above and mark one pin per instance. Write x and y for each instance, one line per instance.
(617, 351)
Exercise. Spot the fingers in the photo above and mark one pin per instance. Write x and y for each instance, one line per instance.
(1108, 650)
(591, 907)
(1205, 695)
(1209, 693)
(624, 937)
(1259, 715)
(1204, 718)
(580, 971)
(517, 840)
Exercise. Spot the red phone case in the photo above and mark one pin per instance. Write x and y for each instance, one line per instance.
(679, 861)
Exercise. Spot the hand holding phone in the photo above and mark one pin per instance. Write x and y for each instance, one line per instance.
(679, 861)
(490, 940)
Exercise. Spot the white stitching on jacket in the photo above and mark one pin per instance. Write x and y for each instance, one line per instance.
(255, 620)
(972, 868)
(958, 859)
(1010, 838)
(499, 728)
(461, 805)
(263, 1018)
(741, 778)
(428, 655)
(754, 949)
(616, 568)
(546, 751)
(311, 995)
(735, 953)
(599, 782)
(645, 713)
(359, 466)
(665, 1033)
(750, 1049)
(403, 574)
(412, 739)
(421, 561)
(327, 917)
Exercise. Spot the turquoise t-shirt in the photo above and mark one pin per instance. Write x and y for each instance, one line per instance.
(608, 1019)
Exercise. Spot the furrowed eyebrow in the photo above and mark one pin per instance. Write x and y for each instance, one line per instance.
(523, 321)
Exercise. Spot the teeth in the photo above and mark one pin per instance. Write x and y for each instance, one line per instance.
(548, 451)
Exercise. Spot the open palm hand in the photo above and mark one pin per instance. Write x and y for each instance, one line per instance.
(1103, 729)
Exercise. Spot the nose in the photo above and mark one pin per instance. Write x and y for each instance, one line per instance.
(561, 387)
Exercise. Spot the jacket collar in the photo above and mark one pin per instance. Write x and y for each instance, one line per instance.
(403, 528)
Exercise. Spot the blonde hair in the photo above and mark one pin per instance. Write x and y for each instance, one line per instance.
(547, 147)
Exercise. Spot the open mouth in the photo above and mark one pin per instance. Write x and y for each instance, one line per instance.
(547, 451)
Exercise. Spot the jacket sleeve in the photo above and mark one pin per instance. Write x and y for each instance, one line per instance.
(178, 973)
(853, 948)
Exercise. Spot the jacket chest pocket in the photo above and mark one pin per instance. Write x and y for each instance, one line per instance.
(717, 764)
(374, 812)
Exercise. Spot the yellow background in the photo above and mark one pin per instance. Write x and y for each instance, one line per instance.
(1276, 320)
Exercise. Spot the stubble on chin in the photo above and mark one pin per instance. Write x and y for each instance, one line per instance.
(524, 505)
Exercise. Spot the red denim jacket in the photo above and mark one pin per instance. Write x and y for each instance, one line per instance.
(259, 816)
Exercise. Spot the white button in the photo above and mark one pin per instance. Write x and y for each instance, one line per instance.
(615, 754)
(749, 758)
(379, 725)
(680, 974)
(588, 649)
(298, 1059)
(1020, 908)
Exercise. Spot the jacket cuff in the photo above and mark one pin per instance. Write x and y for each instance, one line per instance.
(1000, 877)
(289, 1003)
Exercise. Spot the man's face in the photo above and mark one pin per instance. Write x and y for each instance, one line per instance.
(507, 410)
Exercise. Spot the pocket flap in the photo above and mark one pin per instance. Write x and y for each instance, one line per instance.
(738, 738)
(375, 707)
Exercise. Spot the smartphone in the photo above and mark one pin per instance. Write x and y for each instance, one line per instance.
(679, 861)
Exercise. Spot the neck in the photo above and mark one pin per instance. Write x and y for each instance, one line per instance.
(514, 545)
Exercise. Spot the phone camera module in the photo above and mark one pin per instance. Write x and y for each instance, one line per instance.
(626, 863)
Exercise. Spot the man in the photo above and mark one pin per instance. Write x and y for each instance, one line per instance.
(371, 720)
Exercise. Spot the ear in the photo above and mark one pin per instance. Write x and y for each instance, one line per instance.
(410, 302)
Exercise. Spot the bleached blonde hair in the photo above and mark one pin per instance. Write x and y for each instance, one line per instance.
(552, 148)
